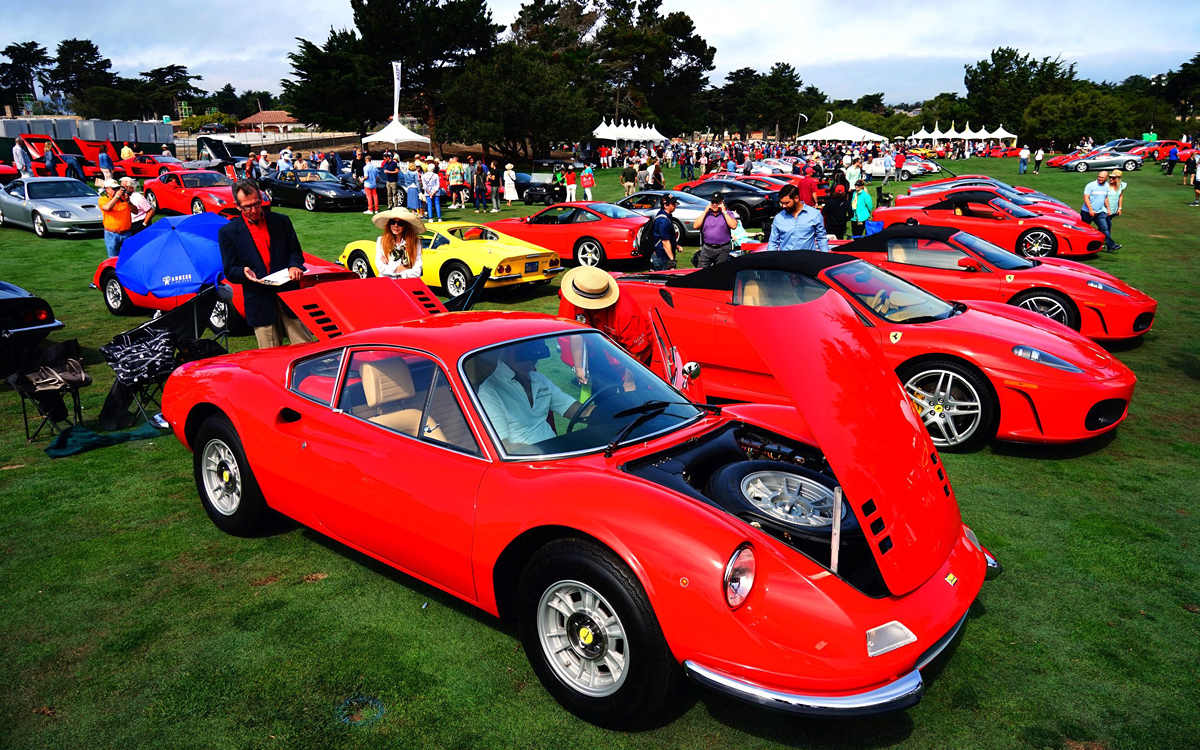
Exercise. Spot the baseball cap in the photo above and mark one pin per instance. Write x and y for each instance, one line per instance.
(111, 184)
(670, 200)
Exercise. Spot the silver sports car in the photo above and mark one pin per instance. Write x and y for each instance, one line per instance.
(1105, 160)
(51, 205)
(690, 208)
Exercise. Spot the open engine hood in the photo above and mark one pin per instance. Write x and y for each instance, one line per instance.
(334, 308)
(834, 372)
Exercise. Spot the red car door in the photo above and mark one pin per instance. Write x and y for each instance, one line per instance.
(687, 317)
(394, 469)
(941, 269)
(552, 230)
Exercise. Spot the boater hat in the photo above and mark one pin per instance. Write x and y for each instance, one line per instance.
(590, 288)
(382, 218)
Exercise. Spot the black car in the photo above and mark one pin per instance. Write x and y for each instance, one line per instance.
(1121, 145)
(753, 206)
(218, 153)
(24, 321)
(313, 189)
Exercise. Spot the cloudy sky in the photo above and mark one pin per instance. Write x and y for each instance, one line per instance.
(847, 48)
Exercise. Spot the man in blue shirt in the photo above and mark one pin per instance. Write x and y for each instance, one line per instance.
(105, 162)
(1096, 209)
(663, 257)
(1172, 159)
(797, 226)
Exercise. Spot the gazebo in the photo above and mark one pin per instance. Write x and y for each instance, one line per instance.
(395, 132)
(842, 131)
(922, 134)
(1003, 135)
(604, 132)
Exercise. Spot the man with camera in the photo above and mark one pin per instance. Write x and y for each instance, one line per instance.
(118, 219)
(716, 227)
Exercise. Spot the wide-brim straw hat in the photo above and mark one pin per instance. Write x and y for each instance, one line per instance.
(508, 166)
(590, 288)
(382, 218)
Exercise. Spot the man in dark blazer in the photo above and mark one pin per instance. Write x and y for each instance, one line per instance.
(253, 246)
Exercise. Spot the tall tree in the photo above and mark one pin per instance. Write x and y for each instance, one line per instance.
(78, 65)
(1182, 88)
(165, 86)
(776, 98)
(736, 104)
(999, 88)
(330, 85)
(28, 62)
(430, 37)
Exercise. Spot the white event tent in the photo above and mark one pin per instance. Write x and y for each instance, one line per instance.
(842, 131)
(396, 133)
(1004, 135)
(922, 134)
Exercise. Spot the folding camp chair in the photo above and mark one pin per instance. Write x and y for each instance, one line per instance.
(44, 388)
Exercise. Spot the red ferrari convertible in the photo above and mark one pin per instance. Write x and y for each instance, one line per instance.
(973, 372)
(121, 301)
(1001, 222)
(986, 193)
(808, 557)
(193, 192)
(588, 233)
(150, 166)
(960, 266)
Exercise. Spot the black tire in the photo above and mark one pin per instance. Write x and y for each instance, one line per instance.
(528, 200)
(1131, 165)
(934, 411)
(904, 174)
(1081, 167)
(1041, 244)
(310, 201)
(163, 171)
(589, 252)
(197, 206)
(652, 677)
(548, 200)
(112, 291)
(39, 226)
(249, 513)
(1043, 301)
(742, 213)
(725, 486)
(456, 278)
(361, 265)
(680, 233)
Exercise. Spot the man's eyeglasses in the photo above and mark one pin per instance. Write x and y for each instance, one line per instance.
(249, 206)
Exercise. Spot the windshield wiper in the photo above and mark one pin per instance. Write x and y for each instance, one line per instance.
(641, 419)
(655, 404)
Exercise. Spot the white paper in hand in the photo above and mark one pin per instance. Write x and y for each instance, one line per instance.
(276, 279)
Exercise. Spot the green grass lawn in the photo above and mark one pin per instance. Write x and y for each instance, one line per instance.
(128, 620)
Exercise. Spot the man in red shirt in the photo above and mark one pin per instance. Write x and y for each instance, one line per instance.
(591, 296)
(807, 186)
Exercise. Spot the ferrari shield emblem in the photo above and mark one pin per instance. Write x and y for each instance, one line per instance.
(895, 336)
(1009, 277)
(951, 579)
(585, 635)
(1020, 223)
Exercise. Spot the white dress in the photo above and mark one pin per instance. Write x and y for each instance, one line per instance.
(510, 185)
(386, 266)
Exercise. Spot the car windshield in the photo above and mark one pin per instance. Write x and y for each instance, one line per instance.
(205, 180)
(1013, 209)
(889, 296)
(59, 189)
(997, 256)
(316, 175)
(536, 406)
(613, 211)
(167, 160)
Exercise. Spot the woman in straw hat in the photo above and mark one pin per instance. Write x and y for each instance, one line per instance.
(398, 250)
(510, 184)
(591, 296)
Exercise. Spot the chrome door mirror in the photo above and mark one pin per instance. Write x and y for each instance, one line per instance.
(691, 370)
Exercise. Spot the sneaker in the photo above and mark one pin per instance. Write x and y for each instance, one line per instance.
(1194, 203)
(1118, 246)
(367, 211)
(495, 210)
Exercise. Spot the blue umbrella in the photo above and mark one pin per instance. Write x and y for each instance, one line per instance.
(174, 255)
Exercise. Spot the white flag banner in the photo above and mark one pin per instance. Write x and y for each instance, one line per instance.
(396, 91)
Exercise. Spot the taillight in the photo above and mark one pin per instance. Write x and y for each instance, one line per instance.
(553, 263)
(37, 315)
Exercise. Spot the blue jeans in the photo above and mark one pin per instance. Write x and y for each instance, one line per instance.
(113, 242)
(433, 203)
(1105, 227)
(1024, 165)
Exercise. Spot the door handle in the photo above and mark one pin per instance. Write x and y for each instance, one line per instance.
(287, 415)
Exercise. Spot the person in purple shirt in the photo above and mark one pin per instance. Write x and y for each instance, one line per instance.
(716, 227)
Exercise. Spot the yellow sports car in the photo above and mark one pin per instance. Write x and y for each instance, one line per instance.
(928, 153)
(453, 253)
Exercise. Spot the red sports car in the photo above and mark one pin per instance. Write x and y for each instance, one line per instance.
(193, 192)
(957, 265)
(8, 173)
(986, 193)
(36, 145)
(591, 234)
(637, 540)
(1002, 151)
(1003, 223)
(121, 301)
(973, 372)
(151, 166)
(1061, 159)
(1158, 150)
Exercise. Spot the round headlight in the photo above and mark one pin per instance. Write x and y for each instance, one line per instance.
(739, 576)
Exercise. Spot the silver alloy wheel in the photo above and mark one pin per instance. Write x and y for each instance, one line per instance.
(310, 201)
(583, 639)
(1048, 306)
(1081, 167)
(267, 194)
(219, 317)
(222, 480)
(904, 174)
(360, 266)
(197, 207)
(1130, 165)
(589, 253)
(790, 497)
(947, 403)
(456, 282)
(163, 171)
(1037, 244)
(114, 295)
(39, 225)
(1, 218)
(152, 200)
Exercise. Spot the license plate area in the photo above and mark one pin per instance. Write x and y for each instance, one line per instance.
(531, 266)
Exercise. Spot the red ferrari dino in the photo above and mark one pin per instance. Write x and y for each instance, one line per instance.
(695, 540)
(591, 234)
(1001, 222)
(193, 192)
(960, 266)
(973, 372)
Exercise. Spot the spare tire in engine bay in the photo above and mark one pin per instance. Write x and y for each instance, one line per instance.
(789, 497)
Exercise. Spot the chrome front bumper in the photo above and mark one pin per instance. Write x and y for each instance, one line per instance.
(902, 693)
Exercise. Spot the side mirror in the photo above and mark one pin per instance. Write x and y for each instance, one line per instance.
(967, 264)
(691, 370)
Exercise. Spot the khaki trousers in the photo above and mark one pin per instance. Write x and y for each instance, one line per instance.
(285, 326)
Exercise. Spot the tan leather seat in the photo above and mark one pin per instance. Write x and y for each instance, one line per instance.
(388, 382)
(897, 253)
(754, 294)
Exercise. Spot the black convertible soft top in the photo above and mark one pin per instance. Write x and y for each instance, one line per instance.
(878, 242)
(722, 275)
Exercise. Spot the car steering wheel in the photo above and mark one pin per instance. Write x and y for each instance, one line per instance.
(591, 404)
(880, 302)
